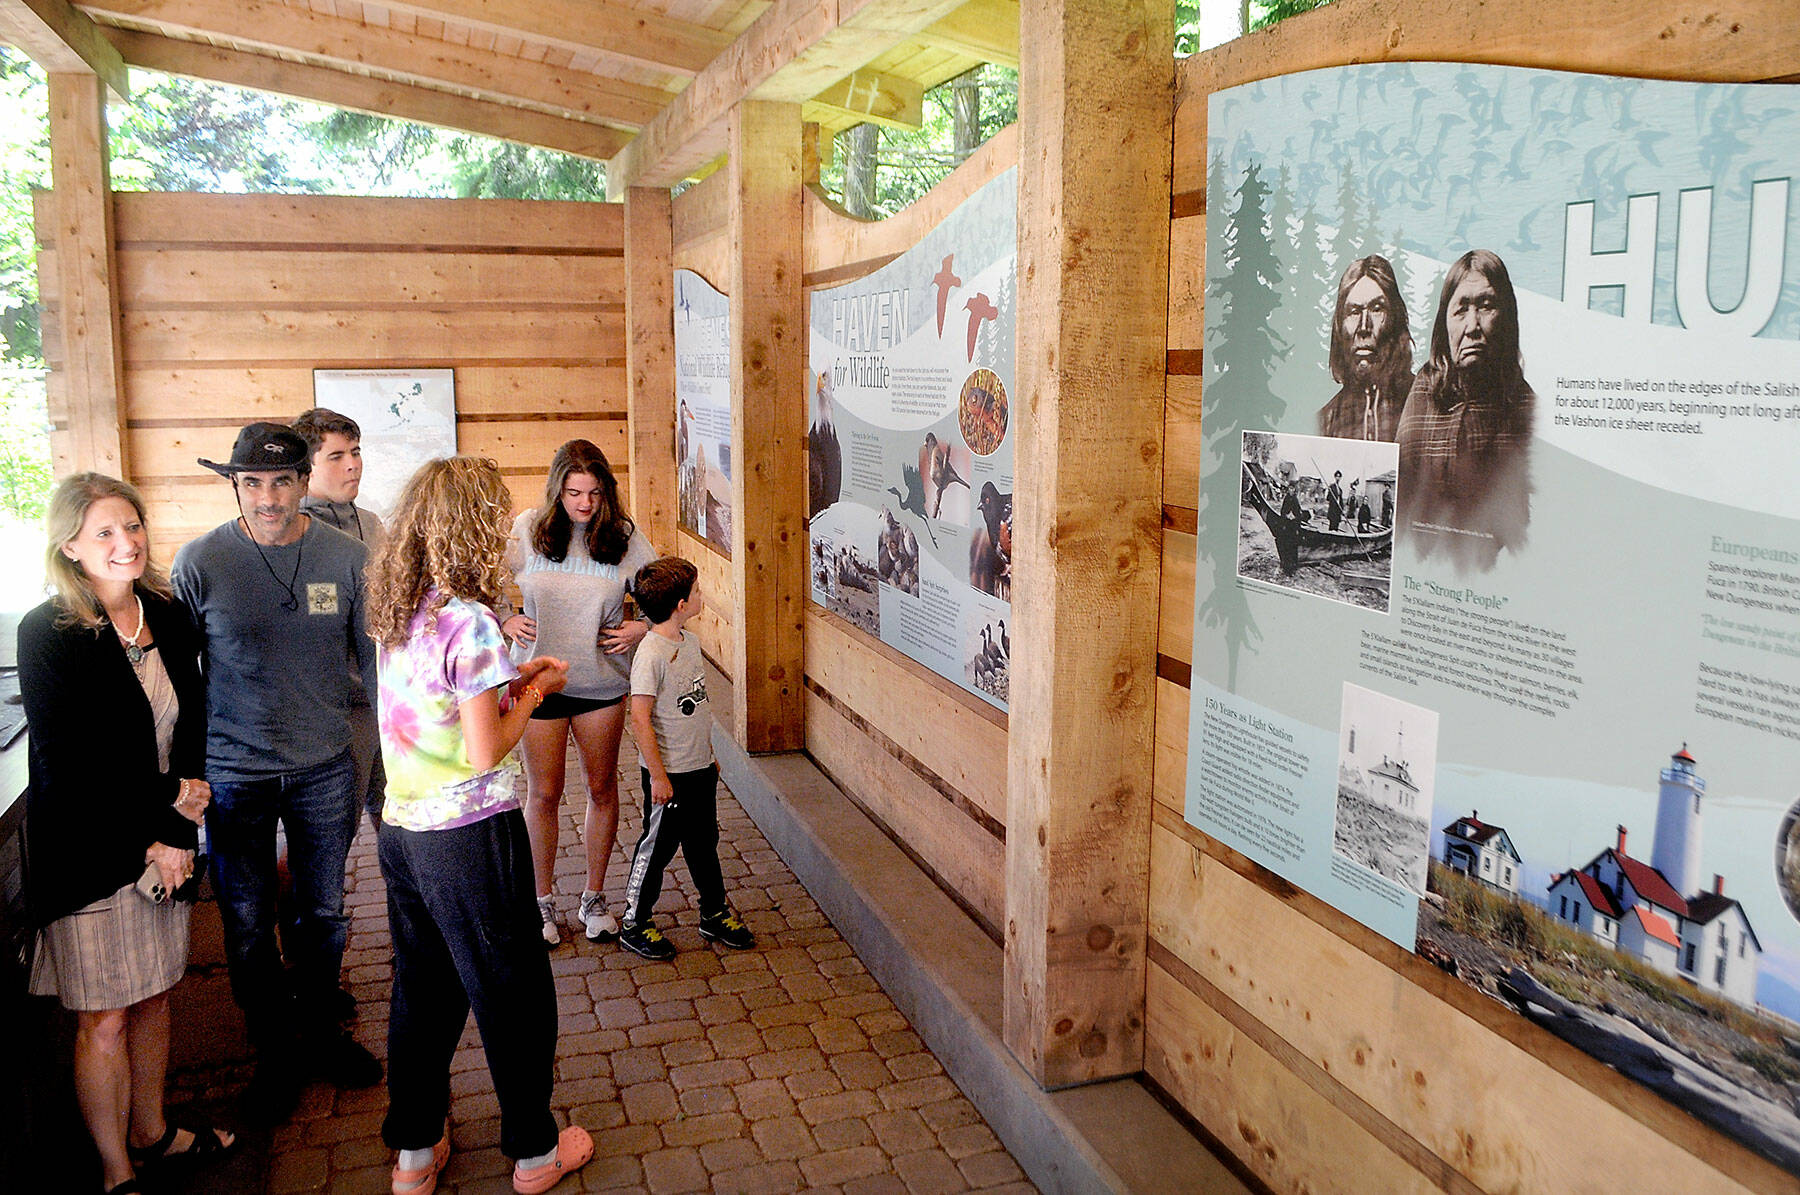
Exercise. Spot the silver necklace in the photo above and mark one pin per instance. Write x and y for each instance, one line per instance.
(133, 652)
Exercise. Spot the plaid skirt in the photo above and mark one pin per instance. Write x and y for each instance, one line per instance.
(113, 953)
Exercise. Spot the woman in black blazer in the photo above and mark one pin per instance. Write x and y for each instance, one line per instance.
(109, 670)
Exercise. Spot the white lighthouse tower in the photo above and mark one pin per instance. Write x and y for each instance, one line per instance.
(1677, 850)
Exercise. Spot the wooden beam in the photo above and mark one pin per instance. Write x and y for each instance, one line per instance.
(768, 428)
(62, 41)
(640, 37)
(650, 360)
(91, 361)
(789, 54)
(268, 26)
(984, 29)
(363, 94)
(1095, 96)
(866, 95)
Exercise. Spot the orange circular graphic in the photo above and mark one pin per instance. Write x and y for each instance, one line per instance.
(981, 412)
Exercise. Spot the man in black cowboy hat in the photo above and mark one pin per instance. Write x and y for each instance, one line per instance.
(277, 597)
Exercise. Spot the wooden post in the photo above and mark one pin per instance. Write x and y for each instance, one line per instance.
(768, 426)
(650, 361)
(87, 302)
(1095, 93)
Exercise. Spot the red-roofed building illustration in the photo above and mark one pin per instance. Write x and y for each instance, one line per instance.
(1637, 907)
(1482, 852)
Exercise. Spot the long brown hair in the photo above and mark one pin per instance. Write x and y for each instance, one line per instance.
(76, 600)
(448, 532)
(609, 531)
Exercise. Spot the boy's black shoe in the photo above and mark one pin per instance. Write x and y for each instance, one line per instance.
(725, 928)
(647, 940)
(341, 1061)
(274, 1090)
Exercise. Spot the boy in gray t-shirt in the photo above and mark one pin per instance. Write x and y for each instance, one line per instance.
(672, 723)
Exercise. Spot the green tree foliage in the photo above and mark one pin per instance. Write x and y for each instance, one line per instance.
(1252, 15)
(911, 162)
(459, 165)
(181, 135)
(24, 165)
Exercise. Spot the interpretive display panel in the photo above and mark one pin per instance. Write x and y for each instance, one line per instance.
(407, 417)
(910, 446)
(703, 409)
(1497, 611)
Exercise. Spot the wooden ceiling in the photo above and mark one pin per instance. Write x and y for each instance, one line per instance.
(581, 76)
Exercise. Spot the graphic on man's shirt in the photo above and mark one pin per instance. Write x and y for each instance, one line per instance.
(693, 698)
(321, 597)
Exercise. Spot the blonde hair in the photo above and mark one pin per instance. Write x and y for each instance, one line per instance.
(75, 598)
(448, 532)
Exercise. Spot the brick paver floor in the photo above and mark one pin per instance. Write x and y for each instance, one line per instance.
(781, 1068)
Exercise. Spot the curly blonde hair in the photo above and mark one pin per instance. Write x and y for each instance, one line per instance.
(448, 533)
(77, 604)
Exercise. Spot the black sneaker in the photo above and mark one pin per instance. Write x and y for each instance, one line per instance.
(725, 929)
(342, 1062)
(341, 1005)
(646, 940)
(273, 1093)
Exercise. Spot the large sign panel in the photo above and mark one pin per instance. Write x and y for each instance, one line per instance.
(1497, 611)
(703, 410)
(910, 446)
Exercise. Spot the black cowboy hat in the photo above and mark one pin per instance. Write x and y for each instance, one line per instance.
(265, 448)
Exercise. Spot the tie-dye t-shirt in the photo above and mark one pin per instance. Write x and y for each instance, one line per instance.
(448, 658)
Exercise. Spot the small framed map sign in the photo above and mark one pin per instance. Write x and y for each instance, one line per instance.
(407, 416)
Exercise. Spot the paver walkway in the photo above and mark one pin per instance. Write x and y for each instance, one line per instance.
(782, 1068)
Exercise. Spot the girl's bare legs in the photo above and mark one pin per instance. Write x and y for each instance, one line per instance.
(597, 736)
(546, 743)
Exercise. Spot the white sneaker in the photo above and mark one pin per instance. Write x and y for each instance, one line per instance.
(601, 925)
(552, 932)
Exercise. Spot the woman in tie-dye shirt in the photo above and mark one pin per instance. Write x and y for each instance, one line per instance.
(453, 847)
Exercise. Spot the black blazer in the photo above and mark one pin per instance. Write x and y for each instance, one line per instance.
(96, 800)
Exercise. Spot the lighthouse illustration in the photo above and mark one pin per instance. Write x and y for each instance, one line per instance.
(1658, 911)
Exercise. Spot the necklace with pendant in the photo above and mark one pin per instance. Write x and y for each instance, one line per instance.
(133, 652)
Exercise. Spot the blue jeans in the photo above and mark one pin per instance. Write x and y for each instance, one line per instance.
(464, 917)
(317, 808)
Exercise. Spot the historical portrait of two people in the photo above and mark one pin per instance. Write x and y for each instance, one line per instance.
(1462, 423)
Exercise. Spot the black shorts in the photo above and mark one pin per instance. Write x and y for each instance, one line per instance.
(559, 706)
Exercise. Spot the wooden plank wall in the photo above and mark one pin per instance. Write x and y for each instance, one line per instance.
(703, 244)
(922, 757)
(1324, 1057)
(228, 303)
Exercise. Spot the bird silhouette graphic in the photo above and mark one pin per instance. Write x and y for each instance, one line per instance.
(945, 280)
(979, 308)
(913, 501)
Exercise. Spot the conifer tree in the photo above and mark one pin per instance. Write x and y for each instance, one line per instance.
(1242, 351)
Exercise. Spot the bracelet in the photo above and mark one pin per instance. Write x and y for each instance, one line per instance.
(535, 692)
(181, 793)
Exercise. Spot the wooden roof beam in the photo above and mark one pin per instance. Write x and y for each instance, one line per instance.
(265, 25)
(984, 29)
(791, 53)
(871, 96)
(640, 37)
(363, 94)
(63, 41)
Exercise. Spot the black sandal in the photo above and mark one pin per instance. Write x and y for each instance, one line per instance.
(205, 1146)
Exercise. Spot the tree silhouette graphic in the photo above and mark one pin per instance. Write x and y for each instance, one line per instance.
(1244, 274)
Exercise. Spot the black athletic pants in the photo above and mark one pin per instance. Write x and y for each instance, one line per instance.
(689, 821)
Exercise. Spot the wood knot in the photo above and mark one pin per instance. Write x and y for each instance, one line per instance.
(1099, 937)
(1093, 1045)
(1062, 1027)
